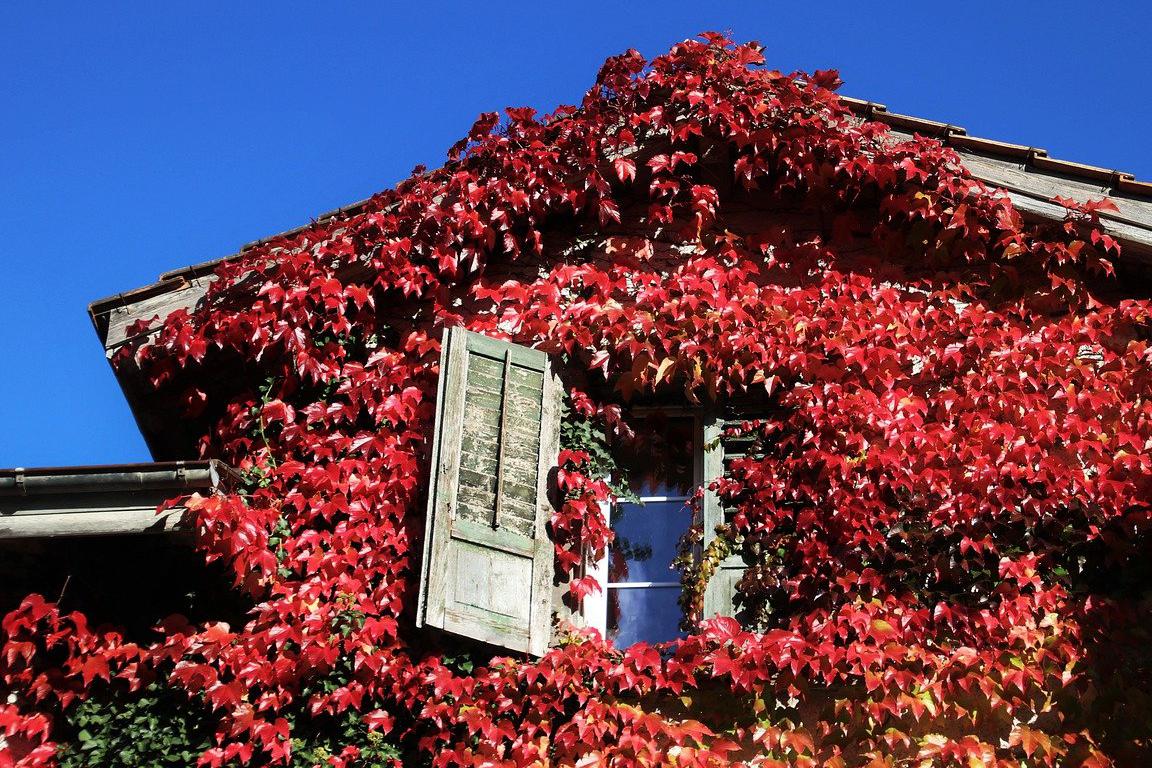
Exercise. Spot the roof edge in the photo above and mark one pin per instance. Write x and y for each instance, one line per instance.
(1036, 157)
(1115, 182)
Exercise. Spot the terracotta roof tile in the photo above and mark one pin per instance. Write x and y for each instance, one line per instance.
(993, 147)
(1079, 169)
(919, 125)
(1133, 187)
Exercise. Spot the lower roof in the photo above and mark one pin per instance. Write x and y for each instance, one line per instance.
(102, 500)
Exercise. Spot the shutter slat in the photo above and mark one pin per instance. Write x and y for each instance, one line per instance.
(503, 440)
(487, 572)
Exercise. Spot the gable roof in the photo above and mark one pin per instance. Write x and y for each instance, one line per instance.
(1027, 174)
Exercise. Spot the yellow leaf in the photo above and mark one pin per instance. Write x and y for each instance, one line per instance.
(882, 628)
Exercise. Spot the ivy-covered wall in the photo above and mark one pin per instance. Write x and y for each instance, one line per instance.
(945, 520)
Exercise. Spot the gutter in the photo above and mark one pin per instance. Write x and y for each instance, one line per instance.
(116, 499)
(115, 477)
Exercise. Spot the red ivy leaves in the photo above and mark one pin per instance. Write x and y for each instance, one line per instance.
(625, 168)
(948, 487)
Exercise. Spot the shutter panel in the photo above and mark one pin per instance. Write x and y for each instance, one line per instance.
(720, 592)
(488, 561)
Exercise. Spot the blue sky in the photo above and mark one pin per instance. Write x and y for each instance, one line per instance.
(137, 138)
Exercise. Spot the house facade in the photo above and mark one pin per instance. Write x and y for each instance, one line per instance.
(720, 420)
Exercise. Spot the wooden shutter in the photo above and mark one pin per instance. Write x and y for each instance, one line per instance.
(720, 593)
(488, 562)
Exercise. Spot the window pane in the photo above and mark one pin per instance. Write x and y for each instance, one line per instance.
(646, 538)
(660, 460)
(651, 614)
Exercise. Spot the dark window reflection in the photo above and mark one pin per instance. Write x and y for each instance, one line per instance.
(660, 461)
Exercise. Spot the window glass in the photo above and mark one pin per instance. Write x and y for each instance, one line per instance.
(647, 535)
(660, 461)
(650, 615)
(643, 589)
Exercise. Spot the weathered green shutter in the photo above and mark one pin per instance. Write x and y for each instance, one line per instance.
(720, 593)
(487, 557)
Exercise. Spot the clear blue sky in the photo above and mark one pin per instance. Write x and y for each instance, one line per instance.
(137, 138)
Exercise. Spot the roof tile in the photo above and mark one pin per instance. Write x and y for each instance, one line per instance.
(1034, 156)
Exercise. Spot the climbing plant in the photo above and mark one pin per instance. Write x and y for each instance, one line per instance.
(945, 524)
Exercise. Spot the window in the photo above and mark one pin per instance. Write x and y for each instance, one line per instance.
(640, 601)
(487, 571)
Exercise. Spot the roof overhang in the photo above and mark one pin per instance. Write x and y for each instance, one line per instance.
(102, 500)
(1032, 179)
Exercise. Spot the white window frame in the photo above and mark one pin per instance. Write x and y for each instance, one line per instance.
(596, 603)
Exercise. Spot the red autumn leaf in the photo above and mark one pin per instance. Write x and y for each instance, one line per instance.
(625, 168)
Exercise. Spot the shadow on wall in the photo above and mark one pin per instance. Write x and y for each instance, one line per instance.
(131, 582)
